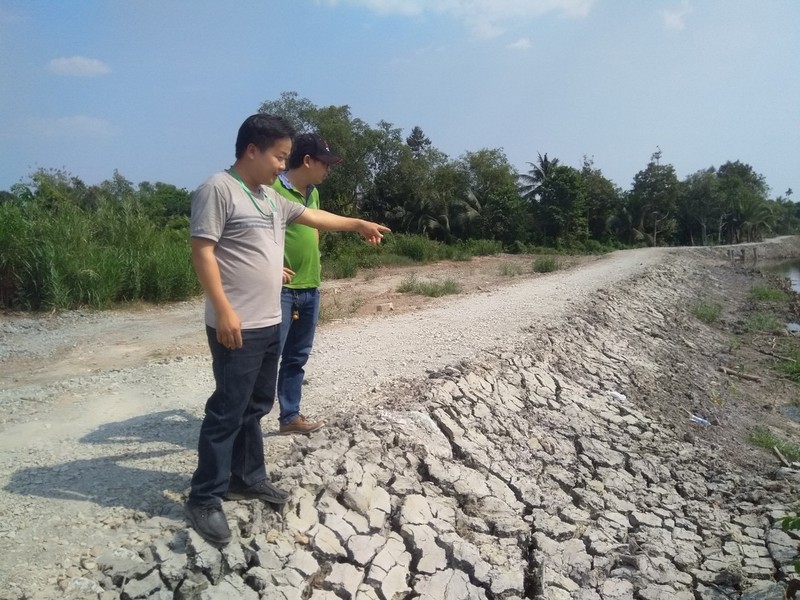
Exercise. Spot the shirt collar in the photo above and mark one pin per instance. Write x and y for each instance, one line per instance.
(284, 177)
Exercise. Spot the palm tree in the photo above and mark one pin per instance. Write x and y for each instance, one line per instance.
(755, 218)
(532, 180)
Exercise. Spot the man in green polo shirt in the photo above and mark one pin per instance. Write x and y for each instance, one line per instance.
(308, 166)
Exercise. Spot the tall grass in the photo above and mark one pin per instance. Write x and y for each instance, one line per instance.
(65, 257)
(344, 255)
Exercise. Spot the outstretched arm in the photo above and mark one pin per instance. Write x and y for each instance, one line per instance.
(325, 221)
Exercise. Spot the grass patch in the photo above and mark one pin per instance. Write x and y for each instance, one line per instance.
(762, 323)
(510, 270)
(337, 309)
(791, 367)
(433, 289)
(769, 294)
(763, 438)
(545, 264)
(707, 312)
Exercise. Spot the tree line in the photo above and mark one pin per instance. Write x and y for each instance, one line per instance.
(66, 243)
(413, 187)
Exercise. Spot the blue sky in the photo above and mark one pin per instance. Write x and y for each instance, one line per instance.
(157, 88)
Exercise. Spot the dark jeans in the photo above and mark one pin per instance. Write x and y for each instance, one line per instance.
(297, 337)
(231, 443)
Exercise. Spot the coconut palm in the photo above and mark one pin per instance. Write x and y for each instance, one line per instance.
(532, 180)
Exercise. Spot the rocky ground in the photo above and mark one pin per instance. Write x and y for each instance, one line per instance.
(529, 438)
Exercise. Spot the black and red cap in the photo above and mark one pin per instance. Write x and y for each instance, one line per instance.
(313, 145)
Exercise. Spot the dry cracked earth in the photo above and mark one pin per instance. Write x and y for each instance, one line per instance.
(561, 466)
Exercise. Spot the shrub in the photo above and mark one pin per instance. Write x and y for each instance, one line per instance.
(545, 264)
(458, 252)
(483, 247)
(510, 270)
(412, 285)
(595, 247)
(416, 247)
(340, 267)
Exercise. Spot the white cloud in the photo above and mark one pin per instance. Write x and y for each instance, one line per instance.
(485, 18)
(75, 126)
(520, 44)
(385, 7)
(675, 18)
(79, 66)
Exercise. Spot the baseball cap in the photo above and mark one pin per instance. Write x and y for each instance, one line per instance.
(313, 145)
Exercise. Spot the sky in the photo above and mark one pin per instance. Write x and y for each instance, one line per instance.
(157, 89)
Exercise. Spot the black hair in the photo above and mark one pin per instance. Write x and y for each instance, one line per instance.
(300, 149)
(296, 158)
(263, 131)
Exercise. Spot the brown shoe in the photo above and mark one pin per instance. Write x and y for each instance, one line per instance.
(300, 425)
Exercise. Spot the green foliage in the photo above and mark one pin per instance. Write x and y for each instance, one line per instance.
(61, 251)
(544, 250)
(760, 322)
(510, 270)
(415, 247)
(545, 264)
(792, 523)
(603, 200)
(595, 247)
(707, 312)
(438, 208)
(559, 205)
(791, 366)
(768, 294)
(343, 255)
(412, 285)
(342, 266)
(483, 247)
(700, 207)
(764, 438)
(653, 201)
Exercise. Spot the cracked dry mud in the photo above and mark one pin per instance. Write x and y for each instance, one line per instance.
(527, 439)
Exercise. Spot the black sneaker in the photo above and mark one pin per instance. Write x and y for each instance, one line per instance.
(209, 521)
(263, 490)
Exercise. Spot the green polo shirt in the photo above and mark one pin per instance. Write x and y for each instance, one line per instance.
(301, 249)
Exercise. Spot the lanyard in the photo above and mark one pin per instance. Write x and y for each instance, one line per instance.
(250, 195)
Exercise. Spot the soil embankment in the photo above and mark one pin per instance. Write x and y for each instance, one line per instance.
(527, 440)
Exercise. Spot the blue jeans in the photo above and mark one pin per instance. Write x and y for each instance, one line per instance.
(297, 337)
(231, 445)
